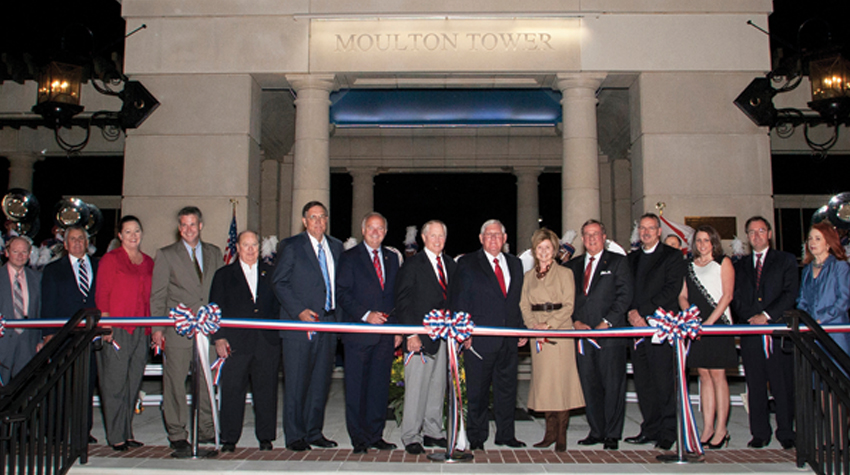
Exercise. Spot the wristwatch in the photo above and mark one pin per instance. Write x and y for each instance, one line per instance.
(607, 322)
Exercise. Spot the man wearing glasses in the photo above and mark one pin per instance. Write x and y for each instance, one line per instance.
(304, 284)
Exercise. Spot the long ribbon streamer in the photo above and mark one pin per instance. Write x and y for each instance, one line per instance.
(677, 329)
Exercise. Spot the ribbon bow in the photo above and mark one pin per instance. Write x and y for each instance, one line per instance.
(188, 324)
(677, 329)
(672, 327)
(448, 325)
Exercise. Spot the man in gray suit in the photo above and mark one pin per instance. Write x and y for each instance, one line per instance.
(182, 273)
(303, 281)
(20, 299)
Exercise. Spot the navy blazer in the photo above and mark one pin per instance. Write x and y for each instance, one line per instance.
(231, 292)
(417, 292)
(359, 290)
(475, 290)
(777, 291)
(60, 295)
(298, 282)
(609, 295)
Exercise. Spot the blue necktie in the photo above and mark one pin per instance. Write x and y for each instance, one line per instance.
(323, 263)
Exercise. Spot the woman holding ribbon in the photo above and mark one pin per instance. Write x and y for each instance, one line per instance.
(123, 290)
(825, 283)
(548, 291)
(709, 284)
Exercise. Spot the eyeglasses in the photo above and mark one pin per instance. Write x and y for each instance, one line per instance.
(753, 232)
(317, 217)
(493, 235)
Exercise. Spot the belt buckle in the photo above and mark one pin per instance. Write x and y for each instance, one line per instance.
(549, 307)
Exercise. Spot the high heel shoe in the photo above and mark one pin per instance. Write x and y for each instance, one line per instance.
(723, 442)
(706, 442)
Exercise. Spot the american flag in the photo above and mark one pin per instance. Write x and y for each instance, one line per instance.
(230, 247)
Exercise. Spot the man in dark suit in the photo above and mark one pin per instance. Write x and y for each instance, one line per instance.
(20, 299)
(67, 286)
(422, 286)
(487, 285)
(182, 273)
(243, 290)
(658, 272)
(366, 283)
(603, 294)
(304, 285)
(766, 284)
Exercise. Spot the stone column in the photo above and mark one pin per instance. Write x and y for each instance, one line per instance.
(269, 184)
(527, 207)
(580, 166)
(311, 175)
(362, 197)
(21, 169)
(287, 210)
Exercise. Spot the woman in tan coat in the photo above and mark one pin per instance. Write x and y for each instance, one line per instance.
(547, 303)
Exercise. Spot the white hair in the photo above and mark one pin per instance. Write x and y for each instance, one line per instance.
(491, 222)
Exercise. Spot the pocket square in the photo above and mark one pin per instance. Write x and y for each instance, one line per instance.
(605, 272)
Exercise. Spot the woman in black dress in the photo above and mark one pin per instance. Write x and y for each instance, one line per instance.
(709, 285)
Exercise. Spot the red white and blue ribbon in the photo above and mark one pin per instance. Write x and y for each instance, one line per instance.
(455, 327)
(2, 331)
(114, 343)
(592, 341)
(677, 329)
(767, 342)
(410, 356)
(216, 369)
(447, 325)
(188, 324)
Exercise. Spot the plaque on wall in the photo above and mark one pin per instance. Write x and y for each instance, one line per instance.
(726, 226)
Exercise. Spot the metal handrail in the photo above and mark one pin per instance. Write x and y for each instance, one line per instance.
(44, 408)
(821, 370)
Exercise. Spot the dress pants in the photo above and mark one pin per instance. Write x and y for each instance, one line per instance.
(175, 368)
(367, 387)
(603, 381)
(655, 370)
(307, 367)
(424, 396)
(260, 368)
(16, 350)
(498, 368)
(778, 370)
(120, 375)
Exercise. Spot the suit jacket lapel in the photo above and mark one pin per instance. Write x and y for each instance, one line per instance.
(603, 262)
(311, 253)
(484, 260)
(366, 260)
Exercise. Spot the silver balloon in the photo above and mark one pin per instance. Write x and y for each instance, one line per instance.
(822, 214)
(95, 221)
(839, 210)
(19, 205)
(71, 212)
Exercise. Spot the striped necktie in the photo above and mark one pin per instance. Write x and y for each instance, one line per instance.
(18, 299)
(83, 277)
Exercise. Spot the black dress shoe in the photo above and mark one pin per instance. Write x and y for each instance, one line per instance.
(512, 443)
(133, 444)
(432, 442)
(787, 444)
(757, 443)
(120, 447)
(414, 448)
(664, 444)
(360, 449)
(227, 447)
(639, 439)
(298, 446)
(324, 443)
(610, 444)
(476, 446)
(180, 445)
(92, 440)
(382, 444)
(266, 445)
(590, 440)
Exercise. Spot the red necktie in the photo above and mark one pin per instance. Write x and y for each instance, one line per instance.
(442, 276)
(500, 277)
(758, 270)
(587, 271)
(377, 264)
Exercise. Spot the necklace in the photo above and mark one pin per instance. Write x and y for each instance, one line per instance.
(541, 274)
(817, 266)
